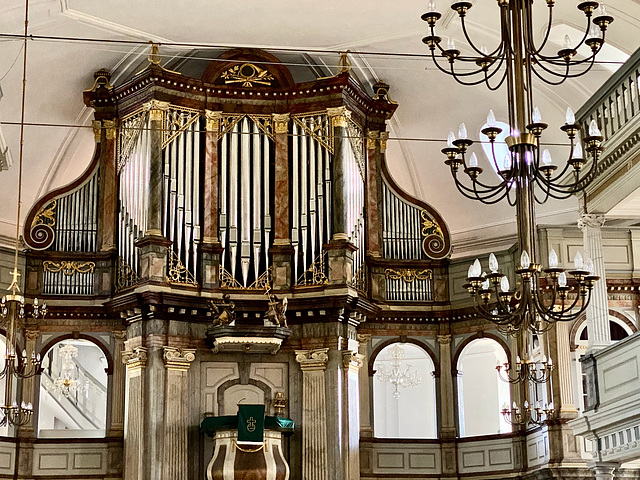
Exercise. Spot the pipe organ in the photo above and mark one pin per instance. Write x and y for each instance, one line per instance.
(197, 201)
(311, 202)
(246, 197)
(250, 214)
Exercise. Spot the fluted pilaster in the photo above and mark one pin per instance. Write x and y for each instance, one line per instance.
(598, 309)
(135, 361)
(118, 383)
(315, 465)
(176, 422)
(447, 406)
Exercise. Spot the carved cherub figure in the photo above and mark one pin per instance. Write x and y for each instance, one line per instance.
(223, 313)
(276, 312)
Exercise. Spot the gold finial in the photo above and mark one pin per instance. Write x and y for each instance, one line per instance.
(344, 64)
(154, 54)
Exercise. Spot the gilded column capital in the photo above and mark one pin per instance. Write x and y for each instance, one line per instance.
(178, 359)
(135, 359)
(384, 136)
(155, 108)
(339, 116)
(280, 122)
(97, 129)
(312, 359)
(212, 120)
(592, 220)
(352, 361)
(110, 128)
(372, 136)
(444, 339)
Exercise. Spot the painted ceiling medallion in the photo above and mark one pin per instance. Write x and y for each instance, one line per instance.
(247, 74)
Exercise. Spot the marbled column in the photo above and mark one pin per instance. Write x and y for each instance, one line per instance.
(153, 245)
(315, 464)
(108, 199)
(598, 309)
(176, 421)
(118, 384)
(447, 410)
(352, 363)
(210, 245)
(134, 437)
(281, 250)
(28, 384)
(339, 117)
(604, 470)
(154, 206)
(373, 192)
(366, 425)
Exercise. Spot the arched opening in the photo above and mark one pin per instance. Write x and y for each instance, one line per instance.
(481, 393)
(404, 394)
(73, 390)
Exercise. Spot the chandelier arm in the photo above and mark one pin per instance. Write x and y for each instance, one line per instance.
(477, 195)
(502, 80)
(547, 81)
(496, 52)
(532, 50)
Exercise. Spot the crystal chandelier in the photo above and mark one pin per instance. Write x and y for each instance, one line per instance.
(13, 313)
(397, 374)
(527, 174)
(67, 382)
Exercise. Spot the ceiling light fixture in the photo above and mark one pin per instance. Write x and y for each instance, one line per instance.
(529, 175)
(12, 306)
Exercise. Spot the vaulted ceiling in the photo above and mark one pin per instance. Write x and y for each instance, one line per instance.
(59, 145)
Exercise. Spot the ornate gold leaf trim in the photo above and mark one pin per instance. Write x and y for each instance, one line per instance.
(46, 215)
(321, 131)
(127, 277)
(69, 268)
(178, 273)
(247, 74)
(408, 275)
(316, 273)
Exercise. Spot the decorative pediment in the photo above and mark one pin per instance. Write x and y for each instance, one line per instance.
(248, 68)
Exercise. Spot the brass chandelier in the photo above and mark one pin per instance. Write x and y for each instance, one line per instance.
(527, 174)
(13, 311)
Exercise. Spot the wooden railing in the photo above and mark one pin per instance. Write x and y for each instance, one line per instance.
(617, 102)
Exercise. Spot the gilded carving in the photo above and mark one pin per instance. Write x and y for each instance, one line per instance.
(313, 359)
(97, 129)
(176, 121)
(247, 74)
(339, 116)
(317, 126)
(178, 273)
(316, 273)
(156, 109)
(281, 122)
(212, 120)
(372, 136)
(69, 268)
(178, 359)
(126, 277)
(46, 215)
(384, 136)
(110, 128)
(408, 275)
